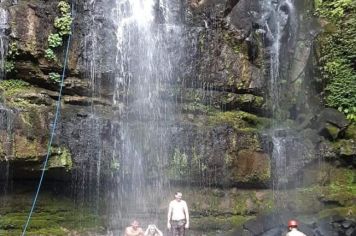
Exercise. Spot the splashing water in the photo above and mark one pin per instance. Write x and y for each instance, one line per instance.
(281, 27)
(147, 44)
(3, 40)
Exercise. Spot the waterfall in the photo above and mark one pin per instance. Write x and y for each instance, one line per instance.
(148, 41)
(6, 120)
(6, 124)
(280, 21)
(3, 40)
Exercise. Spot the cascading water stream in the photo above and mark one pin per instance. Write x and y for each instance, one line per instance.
(3, 40)
(147, 35)
(6, 114)
(281, 28)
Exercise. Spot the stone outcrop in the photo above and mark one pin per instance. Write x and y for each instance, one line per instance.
(219, 140)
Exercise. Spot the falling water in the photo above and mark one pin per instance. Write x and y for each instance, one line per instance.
(148, 45)
(5, 114)
(281, 26)
(3, 40)
(6, 125)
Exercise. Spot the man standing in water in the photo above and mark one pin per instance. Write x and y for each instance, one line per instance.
(178, 216)
(293, 229)
(134, 229)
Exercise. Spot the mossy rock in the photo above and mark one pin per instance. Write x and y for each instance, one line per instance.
(240, 120)
(332, 130)
(61, 158)
(53, 216)
(345, 147)
(251, 168)
(224, 223)
(350, 132)
(348, 212)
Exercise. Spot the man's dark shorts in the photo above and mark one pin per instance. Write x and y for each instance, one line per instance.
(178, 227)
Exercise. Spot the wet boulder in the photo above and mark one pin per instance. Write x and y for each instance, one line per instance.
(330, 123)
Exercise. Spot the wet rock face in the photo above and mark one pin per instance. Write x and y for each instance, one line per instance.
(275, 225)
(29, 107)
(219, 156)
(223, 58)
(223, 69)
(89, 86)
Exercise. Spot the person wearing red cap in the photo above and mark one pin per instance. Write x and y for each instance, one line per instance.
(134, 229)
(293, 229)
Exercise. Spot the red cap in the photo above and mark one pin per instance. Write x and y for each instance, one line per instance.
(292, 223)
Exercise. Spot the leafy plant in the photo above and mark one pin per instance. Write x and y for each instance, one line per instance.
(63, 7)
(54, 77)
(13, 50)
(55, 40)
(13, 84)
(63, 24)
(49, 54)
(338, 54)
(9, 66)
(334, 8)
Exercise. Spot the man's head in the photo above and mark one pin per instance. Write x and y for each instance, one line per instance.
(292, 224)
(135, 224)
(152, 228)
(178, 196)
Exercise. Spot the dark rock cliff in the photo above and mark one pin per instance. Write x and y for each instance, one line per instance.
(220, 135)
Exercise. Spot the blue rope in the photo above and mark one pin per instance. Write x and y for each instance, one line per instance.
(58, 105)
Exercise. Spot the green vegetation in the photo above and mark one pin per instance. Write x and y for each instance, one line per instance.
(55, 77)
(53, 216)
(55, 40)
(63, 25)
(64, 21)
(179, 165)
(9, 66)
(10, 58)
(60, 158)
(49, 54)
(63, 7)
(240, 120)
(12, 86)
(338, 53)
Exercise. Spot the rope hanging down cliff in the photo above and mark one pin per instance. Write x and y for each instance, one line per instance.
(58, 105)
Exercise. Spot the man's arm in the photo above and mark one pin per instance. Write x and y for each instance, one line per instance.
(159, 232)
(186, 212)
(169, 215)
(126, 232)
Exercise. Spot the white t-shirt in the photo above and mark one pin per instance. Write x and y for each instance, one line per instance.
(295, 232)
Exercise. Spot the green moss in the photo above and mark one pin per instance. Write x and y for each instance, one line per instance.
(342, 211)
(332, 130)
(197, 108)
(11, 87)
(230, 40)
(345, 147)
(52, 216)
(61, 158)
(10, 91)
(351, 132)
(239, 120)
(25, 148)
(218, 222)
